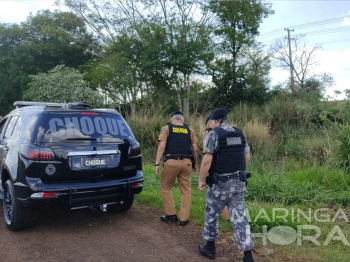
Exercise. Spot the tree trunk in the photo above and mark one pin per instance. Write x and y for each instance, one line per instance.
(133, 108)
(186, 88)
(179, 100)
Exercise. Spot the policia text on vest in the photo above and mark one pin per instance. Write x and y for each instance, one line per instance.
(177, 144)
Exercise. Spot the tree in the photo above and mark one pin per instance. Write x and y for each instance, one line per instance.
(304, 63)
(237, 24)
(183, 53)
(256, 68)
(174, 42)
(131, 68)
(13, 62)
(61, 85)
(105, 18)
(37, 45)
(57, 38)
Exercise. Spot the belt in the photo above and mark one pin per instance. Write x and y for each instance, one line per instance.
(228, 177)
(177, 158)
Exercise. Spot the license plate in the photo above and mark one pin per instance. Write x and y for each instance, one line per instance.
(94, 162)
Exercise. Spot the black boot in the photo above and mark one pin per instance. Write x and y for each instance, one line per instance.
(208, 250)
(248, 257)
(172, 218)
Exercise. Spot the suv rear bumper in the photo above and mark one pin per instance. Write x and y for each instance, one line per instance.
(78, 194)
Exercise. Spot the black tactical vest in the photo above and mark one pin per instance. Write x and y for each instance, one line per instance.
(179, 140)
(229, 157)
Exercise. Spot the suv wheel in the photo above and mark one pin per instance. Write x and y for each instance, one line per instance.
(122, 207)
(16, 216)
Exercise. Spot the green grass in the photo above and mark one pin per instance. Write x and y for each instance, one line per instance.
(271, 200)
(313, 186)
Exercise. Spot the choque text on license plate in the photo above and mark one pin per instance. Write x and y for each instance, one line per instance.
(95, 162)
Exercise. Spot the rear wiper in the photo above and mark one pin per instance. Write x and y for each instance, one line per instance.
(82, 138)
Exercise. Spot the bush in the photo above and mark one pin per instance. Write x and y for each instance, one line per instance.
(342, 147)
(284, 111)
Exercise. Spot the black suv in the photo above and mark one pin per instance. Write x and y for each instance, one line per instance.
(66, 154)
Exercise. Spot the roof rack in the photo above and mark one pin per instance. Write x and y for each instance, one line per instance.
(73, 105)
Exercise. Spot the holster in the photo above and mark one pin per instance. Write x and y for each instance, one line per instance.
(193, 160)
(211, 179)
(243, 176)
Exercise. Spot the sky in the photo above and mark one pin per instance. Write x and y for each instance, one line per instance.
(334, 57)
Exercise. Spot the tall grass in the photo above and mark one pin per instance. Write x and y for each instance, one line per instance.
(341, 154)
(284, 111)
(314, 187)
(146, 128)
(260, 139)
(284, 135)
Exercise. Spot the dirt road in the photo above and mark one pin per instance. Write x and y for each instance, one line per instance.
(92, 235)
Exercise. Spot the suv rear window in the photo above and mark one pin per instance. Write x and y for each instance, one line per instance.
(10, 127)
(100, 127)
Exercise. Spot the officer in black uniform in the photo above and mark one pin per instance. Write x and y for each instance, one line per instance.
(225, 214)
(226, 153)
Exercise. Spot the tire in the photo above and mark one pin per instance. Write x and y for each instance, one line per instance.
(122, 207)
(16, 216)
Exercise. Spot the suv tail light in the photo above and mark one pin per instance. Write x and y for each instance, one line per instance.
(33, 152)
(44, 195)
(89, 113)
(134, 150)
(135, 185)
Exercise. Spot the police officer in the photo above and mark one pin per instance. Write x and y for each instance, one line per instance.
(175, 142)
(227, 153)
(207, 130)
(225, 214)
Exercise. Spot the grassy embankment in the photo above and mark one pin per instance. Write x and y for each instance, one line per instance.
(316, 198)
(298, 151)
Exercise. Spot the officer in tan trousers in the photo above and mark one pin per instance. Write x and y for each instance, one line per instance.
(225, 215)
(178, 147)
